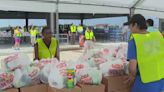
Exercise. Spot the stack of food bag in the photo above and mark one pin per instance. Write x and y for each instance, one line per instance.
(110, 60)
(19, 71)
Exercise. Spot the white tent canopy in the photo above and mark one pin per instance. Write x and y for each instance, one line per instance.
(145, 7)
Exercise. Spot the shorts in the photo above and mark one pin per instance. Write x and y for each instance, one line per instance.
(17, 40)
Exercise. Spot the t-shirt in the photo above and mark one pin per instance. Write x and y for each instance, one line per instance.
(151, 29)
(138, 86)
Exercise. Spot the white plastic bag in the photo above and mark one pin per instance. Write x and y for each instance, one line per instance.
(80, 67)
(32, 73)
(44, 62)
(45, 72)
(58, 75)
(56, 80)
(6, 80)
(112, 68)
(26, 76)
(15, 61)
(20, 79)
(90, 76)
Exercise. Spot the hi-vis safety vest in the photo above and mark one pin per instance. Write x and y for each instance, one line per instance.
(18, 33)
(73, 28)
(33, 32)
(150, 56)
(45, 52)
(89, 35)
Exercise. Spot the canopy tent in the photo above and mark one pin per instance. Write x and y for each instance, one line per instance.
(145, 7)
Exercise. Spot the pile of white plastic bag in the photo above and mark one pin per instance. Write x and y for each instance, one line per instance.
(22, 72)
(111, 60)
(18, 71)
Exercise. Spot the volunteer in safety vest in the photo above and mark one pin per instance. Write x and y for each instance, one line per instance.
(17, 36)
(89, 38)
(72, 33)
(47, 46)
(33, 33)
(145, 55)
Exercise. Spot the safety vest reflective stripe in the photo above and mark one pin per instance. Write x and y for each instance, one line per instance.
(45, 52)
(150, 56)
(73, 28)
(89, 35)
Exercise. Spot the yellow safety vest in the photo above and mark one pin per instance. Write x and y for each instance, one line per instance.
(89, 35)
(18, 33)
(73, 28)
(80, 28)
(45, 52)
(33, 32)
(150, 56)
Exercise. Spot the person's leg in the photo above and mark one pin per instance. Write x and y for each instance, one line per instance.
(88, 46)
(92, 44)
(74, 38)
(19, 42)
(71, 38)
(33, 40)
(85, 47)
(15, 44)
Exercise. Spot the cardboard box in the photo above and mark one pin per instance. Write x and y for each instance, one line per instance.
(76, 89)
(36, 88)
(92, 88)
(115, 84)
(11, 90)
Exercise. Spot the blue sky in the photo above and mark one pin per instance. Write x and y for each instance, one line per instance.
(21, 22)
(92, 22)
(41, 22)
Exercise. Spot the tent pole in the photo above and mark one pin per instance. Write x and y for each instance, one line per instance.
(57, 19)
(52, 22)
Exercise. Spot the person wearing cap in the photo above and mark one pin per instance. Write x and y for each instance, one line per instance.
(145, 56)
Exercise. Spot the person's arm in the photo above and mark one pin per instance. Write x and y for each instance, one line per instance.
(132, 58)
(69, 33)
(14, 35)
(94, 38)
(132, 72)
(36, 52)
(57, 51)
